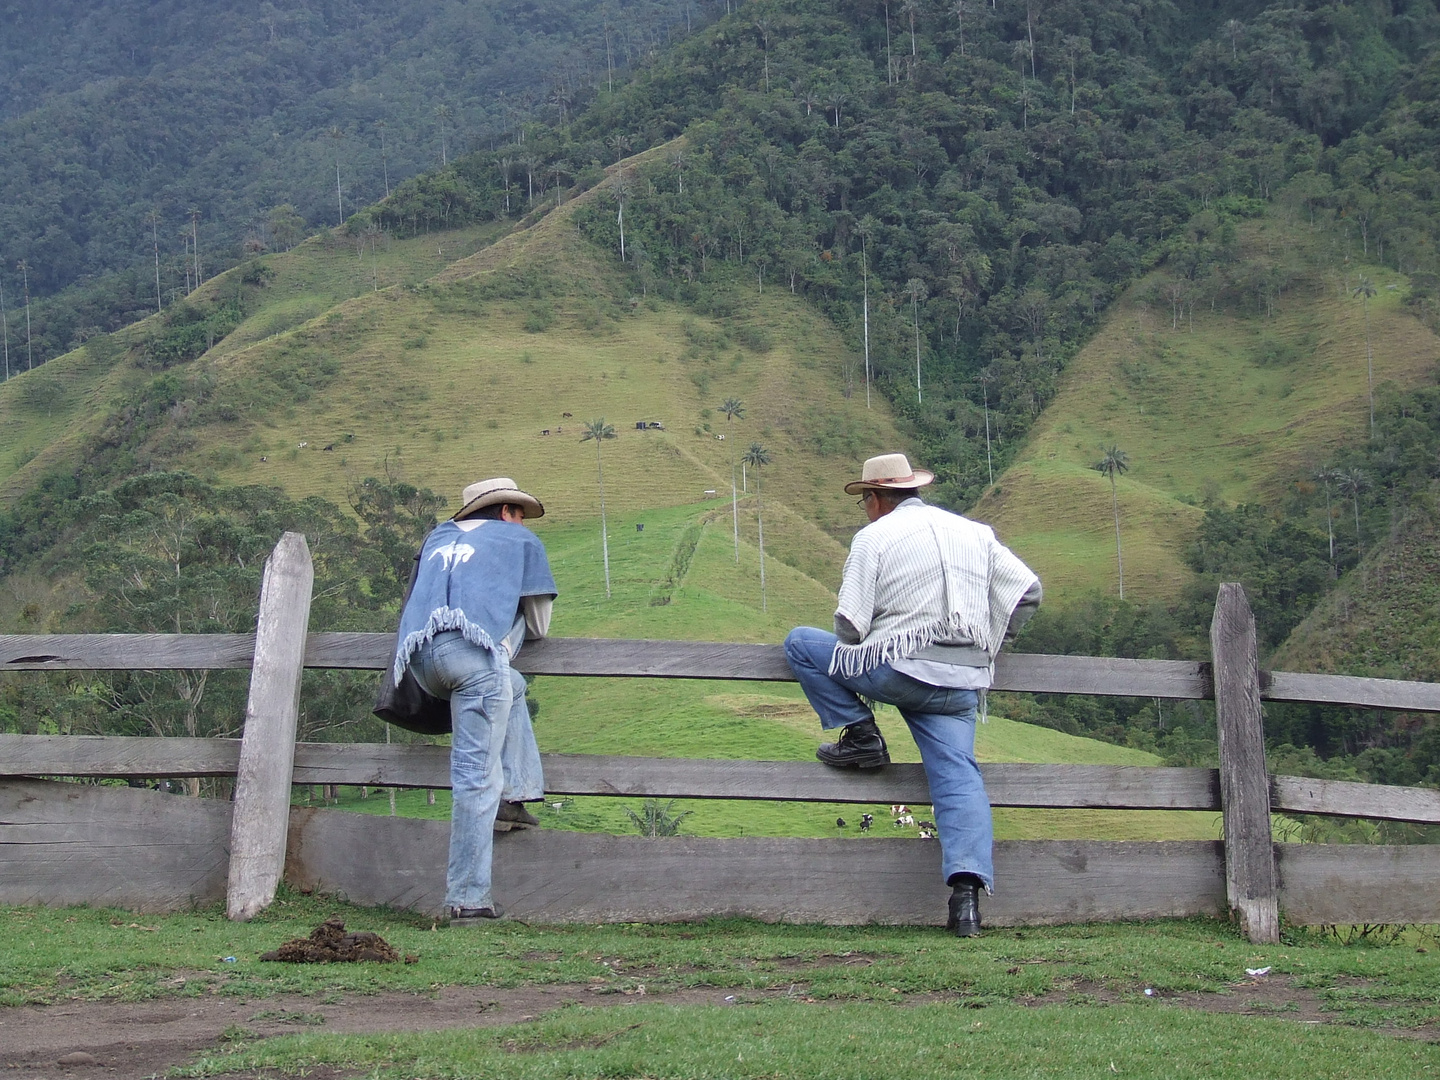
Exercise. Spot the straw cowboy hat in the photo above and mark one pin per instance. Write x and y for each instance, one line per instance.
(498, 489)
(889, 471)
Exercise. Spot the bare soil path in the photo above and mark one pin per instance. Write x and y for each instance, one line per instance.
(144, 1039)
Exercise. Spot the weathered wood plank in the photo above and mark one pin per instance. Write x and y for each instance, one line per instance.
(1350, 690)
(1089, 786)
(1106, 676)
(589, 657)
(110, 846)
(121, 652)
(267, 749)
(1359, 883)
(124, 756)
(553, 876)
(1342, 798)
(1244, 785)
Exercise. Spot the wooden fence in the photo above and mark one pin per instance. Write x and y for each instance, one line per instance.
(97, 844)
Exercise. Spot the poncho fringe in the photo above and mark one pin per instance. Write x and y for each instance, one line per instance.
(851, 661)
(441, 620)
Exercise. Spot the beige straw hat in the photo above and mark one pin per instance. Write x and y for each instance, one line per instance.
(889, 471)
(498, 489)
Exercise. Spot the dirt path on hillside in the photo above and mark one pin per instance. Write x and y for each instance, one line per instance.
(144, 1039)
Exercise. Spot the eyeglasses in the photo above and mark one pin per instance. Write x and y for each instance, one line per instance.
(864, 498)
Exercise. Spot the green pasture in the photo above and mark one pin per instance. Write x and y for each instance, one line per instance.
(1047, 1001)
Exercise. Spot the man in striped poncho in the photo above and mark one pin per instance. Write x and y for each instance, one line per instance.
(926, 601)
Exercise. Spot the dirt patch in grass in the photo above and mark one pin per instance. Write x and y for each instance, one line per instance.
(148, 1037)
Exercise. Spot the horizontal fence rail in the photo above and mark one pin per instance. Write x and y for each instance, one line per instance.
(1091, 787)
(1019, 672)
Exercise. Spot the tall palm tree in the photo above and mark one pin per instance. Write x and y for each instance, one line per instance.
(442, 118)
(866, 230)
(757, 456)
(24, 268)
(5, 331)
(1352, 482)
(384, 167)
(1325, 475)
(734, 409)
(1365, 290)
(917, 290)
(1115, 461)
(599, 430)
(337, 136)
(985, 378)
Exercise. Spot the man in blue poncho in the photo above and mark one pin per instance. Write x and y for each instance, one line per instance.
(483, 588)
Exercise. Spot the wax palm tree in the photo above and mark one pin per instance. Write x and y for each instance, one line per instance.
(734, 409)
(337, 136)
(755, 457)
(986, 378)
(599, 430)
(1325, 475)
(1352, 482)
(1115, 461)
(24, 268)
(1365, 290)
(917, 291)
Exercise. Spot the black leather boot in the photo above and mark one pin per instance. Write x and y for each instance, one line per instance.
(860, 746)
(964, 918)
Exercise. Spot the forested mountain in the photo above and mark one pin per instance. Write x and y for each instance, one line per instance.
(132, 130)
(986, 179)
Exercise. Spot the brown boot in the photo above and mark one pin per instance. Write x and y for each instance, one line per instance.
(513, 815)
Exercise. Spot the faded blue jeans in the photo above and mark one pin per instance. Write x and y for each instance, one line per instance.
(487, 713)
(941, 720)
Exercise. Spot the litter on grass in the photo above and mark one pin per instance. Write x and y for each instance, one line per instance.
(328, 943)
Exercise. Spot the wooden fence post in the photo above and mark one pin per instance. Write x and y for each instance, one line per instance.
(267, 749)
(1250, 887)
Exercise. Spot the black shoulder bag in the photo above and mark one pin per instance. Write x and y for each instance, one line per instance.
(406, 704)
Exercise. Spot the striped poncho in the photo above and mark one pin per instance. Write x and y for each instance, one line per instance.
(921, 575)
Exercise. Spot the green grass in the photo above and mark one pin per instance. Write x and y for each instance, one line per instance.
(790, 1039)
(1234, 411)
(1067, 999)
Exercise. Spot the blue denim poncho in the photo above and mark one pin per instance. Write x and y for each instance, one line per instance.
(472, 582)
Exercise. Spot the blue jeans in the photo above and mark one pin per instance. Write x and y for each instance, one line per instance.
(943, 724)
(487, 712)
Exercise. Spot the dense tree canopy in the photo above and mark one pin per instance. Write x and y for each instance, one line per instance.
(118, 120)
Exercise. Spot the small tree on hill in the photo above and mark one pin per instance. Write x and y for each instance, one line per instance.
(755, 457)
(734, 409)
(1115, 461)
(599, 430)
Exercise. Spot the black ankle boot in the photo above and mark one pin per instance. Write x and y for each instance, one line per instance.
(860, 746)
(964, 918)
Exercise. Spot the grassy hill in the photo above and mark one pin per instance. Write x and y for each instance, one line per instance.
(1220, 407)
